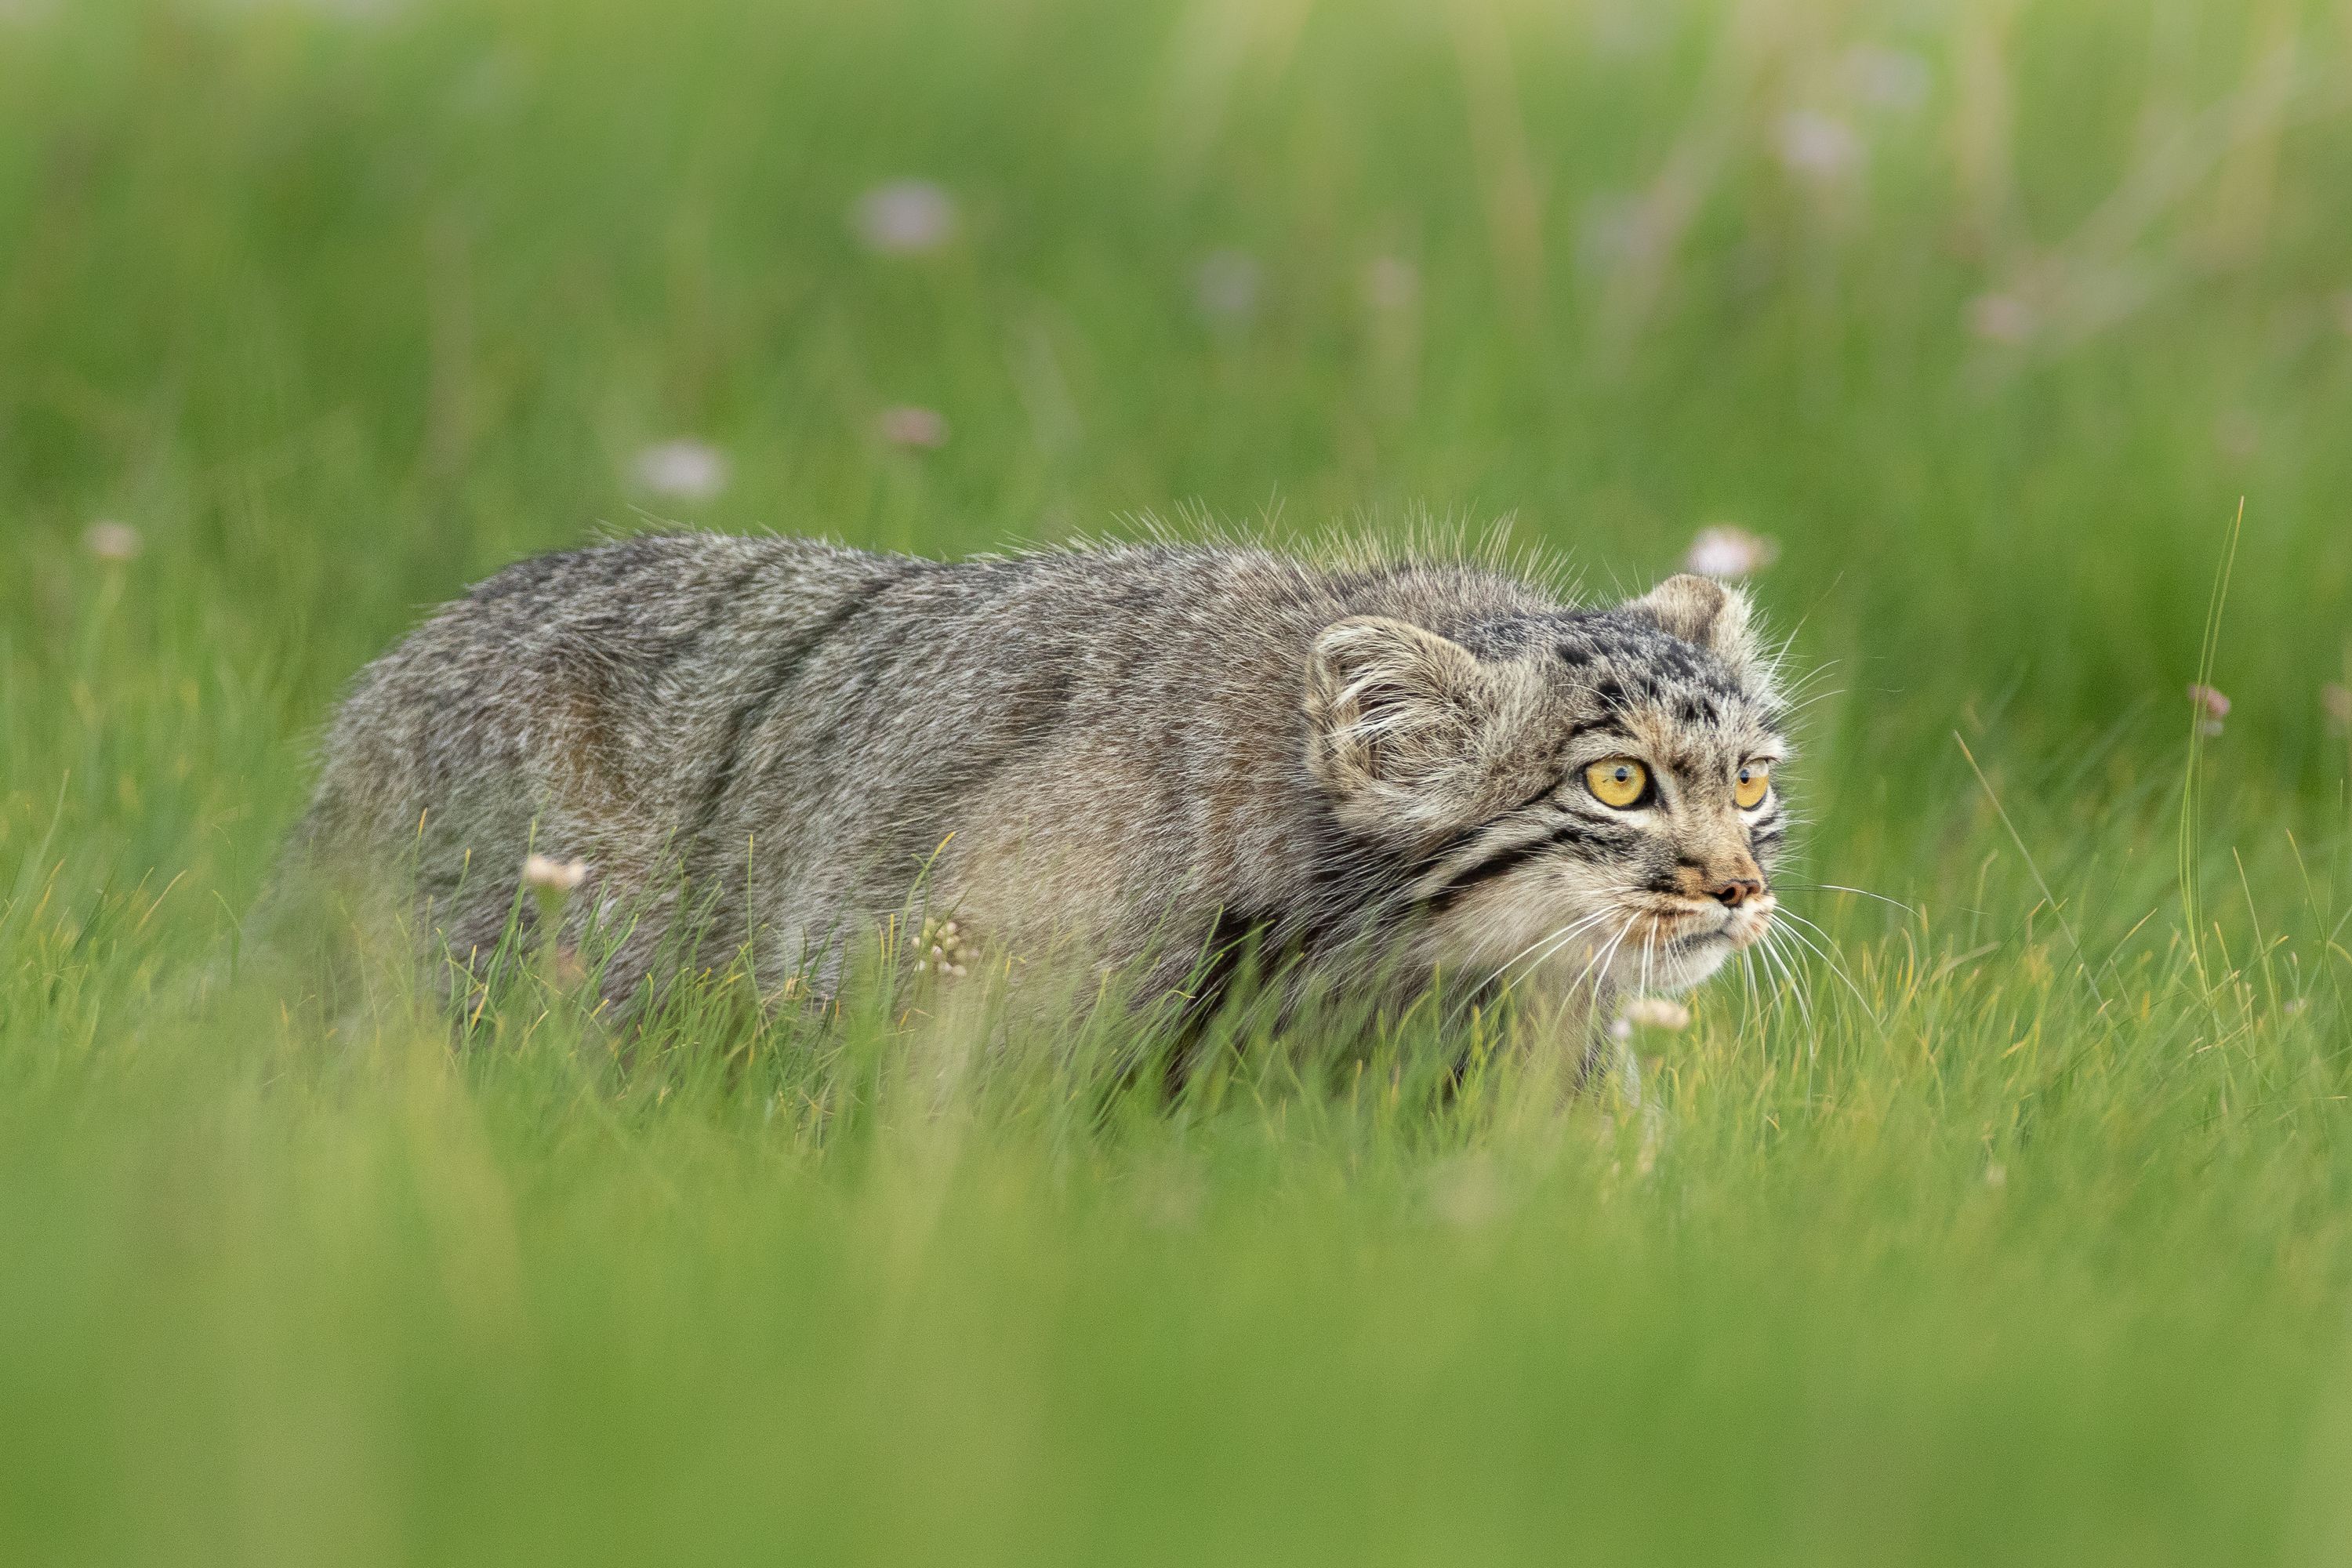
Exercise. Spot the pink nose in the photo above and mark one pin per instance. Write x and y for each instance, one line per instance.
(1736, 892)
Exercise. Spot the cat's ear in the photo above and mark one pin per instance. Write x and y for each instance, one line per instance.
(1400, 723)
(1703, 611)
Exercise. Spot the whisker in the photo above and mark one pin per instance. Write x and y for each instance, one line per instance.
(1821, 952)
(1599, 958)
(1550, 942)
(1535, 963)
(1748, 978)
(1779, 964)
(1858, 892)
(1800, 704)
(1602, 958)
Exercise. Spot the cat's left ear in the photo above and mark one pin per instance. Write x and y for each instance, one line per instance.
(1703, 611)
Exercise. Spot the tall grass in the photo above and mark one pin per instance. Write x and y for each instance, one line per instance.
(2006, 1219)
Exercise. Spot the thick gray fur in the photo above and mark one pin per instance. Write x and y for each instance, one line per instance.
(1124, 754)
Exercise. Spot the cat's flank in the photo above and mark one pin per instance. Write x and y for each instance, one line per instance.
(1138, 756)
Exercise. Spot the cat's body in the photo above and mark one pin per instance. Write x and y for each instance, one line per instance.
(1128, 753)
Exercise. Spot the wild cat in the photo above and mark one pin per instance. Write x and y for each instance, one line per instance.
(1140, 755)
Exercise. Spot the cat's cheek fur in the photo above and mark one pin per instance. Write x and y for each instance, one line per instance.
(1552, 918)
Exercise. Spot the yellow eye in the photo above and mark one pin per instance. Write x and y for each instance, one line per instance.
(1618, 781)
(1754, 783)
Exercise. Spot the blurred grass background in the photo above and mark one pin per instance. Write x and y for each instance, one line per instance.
(2030, 1244)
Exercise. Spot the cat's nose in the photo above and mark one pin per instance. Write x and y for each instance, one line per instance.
(1733, 892)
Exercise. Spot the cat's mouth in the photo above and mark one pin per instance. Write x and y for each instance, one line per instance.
(1692, 927)
(1680, 944)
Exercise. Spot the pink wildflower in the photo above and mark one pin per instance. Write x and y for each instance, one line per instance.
(1724, 551)
(904, 217)
(909, 425)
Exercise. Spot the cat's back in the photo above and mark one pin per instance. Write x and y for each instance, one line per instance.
(1094, 727)
(593, 641)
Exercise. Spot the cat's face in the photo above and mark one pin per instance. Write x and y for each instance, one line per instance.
(1588, 795)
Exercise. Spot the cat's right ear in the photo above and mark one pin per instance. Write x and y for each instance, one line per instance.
(1715, 616)
(1398, 719)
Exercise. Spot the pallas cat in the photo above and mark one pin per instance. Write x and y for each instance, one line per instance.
(1136, 754)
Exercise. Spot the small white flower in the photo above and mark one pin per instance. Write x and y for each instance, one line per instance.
(906, 425)
(1391, 283)
(686, 470)
(547, 873)
(2336, 701)
(113, 542)
(1656, 1013)
(1887, 79)
(2297, 1006)
(2211, 708)
(2000, 318)
(1226, 287)
(948, 953)
(1817, 146)
(1724, 551)
(904, 217)
(1996, 1175)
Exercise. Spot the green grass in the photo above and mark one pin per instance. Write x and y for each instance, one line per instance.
(2032, 1243)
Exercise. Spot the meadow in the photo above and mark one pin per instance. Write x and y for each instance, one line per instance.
(2010, 1221)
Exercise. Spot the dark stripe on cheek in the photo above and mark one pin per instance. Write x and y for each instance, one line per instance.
(1600, 846)
(1469, 836)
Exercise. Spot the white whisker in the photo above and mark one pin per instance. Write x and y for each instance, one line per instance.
(1857, 892)
(1779, 962)
(1821, 952)
(1601, 958)
(1551, 941)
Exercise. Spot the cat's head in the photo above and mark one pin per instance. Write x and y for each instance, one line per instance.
(1587, 791)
